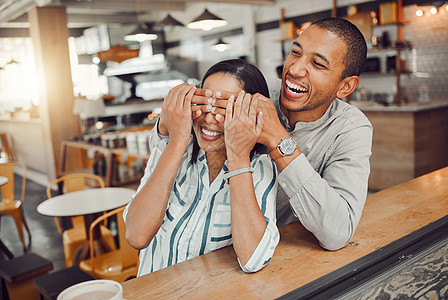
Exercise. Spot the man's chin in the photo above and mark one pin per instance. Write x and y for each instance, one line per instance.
(293, 105)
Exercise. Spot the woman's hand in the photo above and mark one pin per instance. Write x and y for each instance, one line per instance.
(242, 126)
(175, 119)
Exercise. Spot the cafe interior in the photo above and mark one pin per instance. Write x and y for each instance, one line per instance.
(82, 84)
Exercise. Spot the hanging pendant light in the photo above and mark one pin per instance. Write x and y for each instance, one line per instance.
(207, 21)
(220, 46)
(168, 21)
(140, 34)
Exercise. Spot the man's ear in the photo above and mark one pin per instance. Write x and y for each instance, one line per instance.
(347, 86)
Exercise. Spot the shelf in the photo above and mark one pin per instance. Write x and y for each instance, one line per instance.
(109, 156)
(380, 49)
(401, 23)
(373, 74)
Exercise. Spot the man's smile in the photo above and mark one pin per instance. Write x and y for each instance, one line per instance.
(294, 91)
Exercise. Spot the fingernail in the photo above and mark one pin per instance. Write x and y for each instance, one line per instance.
(213, 109)
(218, 94)
(208, 93)
(231, 97)
(208, 107)
(210, 100)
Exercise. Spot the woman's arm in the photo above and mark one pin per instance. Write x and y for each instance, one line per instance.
(147, 210)
(249, 223)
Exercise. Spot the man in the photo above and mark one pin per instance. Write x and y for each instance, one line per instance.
(320, 144)
(324, 177)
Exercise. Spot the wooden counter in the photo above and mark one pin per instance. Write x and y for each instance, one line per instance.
(408, 141)
(389, 215)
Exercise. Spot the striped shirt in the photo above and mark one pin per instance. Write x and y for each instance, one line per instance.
(197, 219)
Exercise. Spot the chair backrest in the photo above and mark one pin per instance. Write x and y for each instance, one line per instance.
(7, 170)
(125, 253)
(72, 183)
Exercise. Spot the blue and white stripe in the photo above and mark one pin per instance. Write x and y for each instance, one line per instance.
(197, 219)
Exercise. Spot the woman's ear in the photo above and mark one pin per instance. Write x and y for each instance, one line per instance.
(348, 85)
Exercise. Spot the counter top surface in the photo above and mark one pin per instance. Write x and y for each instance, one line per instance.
(388, 216)
(367, 106)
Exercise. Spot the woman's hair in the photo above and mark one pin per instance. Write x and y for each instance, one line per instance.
(249, 76)
(250, 79)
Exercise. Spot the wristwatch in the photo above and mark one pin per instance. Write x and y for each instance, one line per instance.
(286, 147)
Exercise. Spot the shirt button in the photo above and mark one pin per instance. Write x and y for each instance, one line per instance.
(283, 185)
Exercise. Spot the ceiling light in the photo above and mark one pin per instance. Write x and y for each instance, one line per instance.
(12, 62)
(207, 21)
(220, 46)
(168, 21)
(141, 34)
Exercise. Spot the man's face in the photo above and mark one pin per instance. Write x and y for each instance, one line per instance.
(312, 74)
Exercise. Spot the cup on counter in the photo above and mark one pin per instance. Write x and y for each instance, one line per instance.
(101, 289)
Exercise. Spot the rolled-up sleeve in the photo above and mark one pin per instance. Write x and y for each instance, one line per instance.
(265, 184)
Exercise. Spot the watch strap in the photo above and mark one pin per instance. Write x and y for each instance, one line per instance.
(275, 154)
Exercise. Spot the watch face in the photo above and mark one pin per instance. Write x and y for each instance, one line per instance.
(288, 146)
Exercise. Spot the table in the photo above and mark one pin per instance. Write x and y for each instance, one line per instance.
(389, 216)
(88, 203)
(85, 202)
(4, 180)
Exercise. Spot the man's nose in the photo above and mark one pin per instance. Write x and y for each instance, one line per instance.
(299, 68)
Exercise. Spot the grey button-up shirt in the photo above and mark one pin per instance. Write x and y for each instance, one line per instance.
(326, 186)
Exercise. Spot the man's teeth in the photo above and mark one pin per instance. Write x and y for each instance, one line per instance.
(210, 133)
(295, 88)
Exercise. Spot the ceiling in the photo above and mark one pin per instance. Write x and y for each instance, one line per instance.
(87, 13)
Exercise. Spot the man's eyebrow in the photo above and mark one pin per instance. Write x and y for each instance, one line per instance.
(295, 43)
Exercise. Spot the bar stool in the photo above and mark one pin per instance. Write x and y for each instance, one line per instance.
(18, 274)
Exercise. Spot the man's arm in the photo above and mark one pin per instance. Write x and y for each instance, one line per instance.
(327, 204)
(330, 204)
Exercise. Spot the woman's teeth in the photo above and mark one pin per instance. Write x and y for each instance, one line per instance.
(295, 88)
(211, 133)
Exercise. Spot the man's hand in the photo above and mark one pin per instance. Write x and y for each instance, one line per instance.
(273, 130)
(205, 101)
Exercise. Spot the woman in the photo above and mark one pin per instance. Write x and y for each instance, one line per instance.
(184, 207)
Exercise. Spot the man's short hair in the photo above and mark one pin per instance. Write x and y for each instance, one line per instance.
(354, 40)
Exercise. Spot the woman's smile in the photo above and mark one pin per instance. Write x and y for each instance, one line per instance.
(210, 135)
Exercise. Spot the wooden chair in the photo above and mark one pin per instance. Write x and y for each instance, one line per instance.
(11, 206)
(120, 264)
(75, 239)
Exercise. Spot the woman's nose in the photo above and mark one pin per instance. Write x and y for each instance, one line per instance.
(210, 118)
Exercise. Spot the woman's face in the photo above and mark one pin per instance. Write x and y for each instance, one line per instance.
(208, 131)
